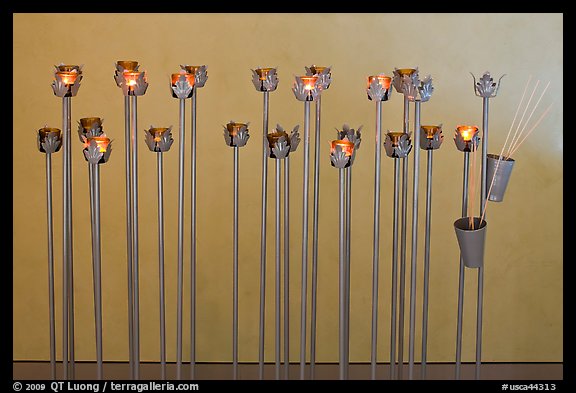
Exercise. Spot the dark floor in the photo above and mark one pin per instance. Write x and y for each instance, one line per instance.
(151, 371)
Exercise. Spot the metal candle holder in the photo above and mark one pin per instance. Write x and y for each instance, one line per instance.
(378, 90)
(49, 140)
(280, 145)
(397, 145)
(235, 135)
(265, 80)
(159, 140)
(466, 139)
(485, 88)
(133, 84)
(405, 81)
(430, 139)
(97, 150)
(324, 76)
(342, 154)
(182, 85)
(66, 83)
(307, 89)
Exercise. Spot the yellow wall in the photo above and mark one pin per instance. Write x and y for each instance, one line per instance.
(523, 276)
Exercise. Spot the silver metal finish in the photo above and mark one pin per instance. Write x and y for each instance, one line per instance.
(426, 263)
(235, 270)
(413, 268)
(342, 276)
(50, 266)
(348, 248)
(402, 267)
(263, 237)
(394, 295)
(287, 268)
(135, 274)
(376, 240)
(277, 286)
(94, 178)
(180, 240)
(316, 200)
(304, 281)
(193, 239)
(161, 265)
(461, 273)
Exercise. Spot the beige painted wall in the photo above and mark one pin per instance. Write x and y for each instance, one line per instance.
(523, 286)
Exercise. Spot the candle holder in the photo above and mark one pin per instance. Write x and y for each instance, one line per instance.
(466, 138)
(307, 88)
(182, 85)
(397, 144)
(264, 80)
(430, 139)
(235, 135)
(133, 84)
(89, 127)
(199, 72)
(324, 76)
(280, 145)
(485, 88)
(97, 150)
(159, 140)
(49, 140)
(379, 87)
(66, 83)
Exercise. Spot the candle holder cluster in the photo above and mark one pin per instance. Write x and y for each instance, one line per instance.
(277, 144)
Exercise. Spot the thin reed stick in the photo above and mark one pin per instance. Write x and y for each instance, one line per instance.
(525, 109)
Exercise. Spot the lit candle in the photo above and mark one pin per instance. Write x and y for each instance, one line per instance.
(128, 65)
(430, 131)
(131, 78)
(383, 80)
(189, 78)
(68, 78)
(263, 73)
(346, 146)
(309, 81)
(233, 128)
(157, 133)
(467, 132)
(395, 137)
(101, 141)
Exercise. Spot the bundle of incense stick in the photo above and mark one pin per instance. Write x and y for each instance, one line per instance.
(520, 134)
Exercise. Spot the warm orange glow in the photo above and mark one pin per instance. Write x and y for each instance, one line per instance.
(317, 69)
(395, 137)
(101, 141)
(131, 78)
(467, 132)
(382, 79)
(189, 78)
(346, 146)
(127, 65)
(430, 131)
(263, 73)
(68, 78)
(309, 81)
(233, 128)
(157, 133)
(406, 71)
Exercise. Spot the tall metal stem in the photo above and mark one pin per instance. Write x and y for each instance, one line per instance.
(180, 241)
(376, 239)
(394, 295)
(135, 274)
(263, 237)
(287, 267)
(304, 281)
(94, 177)
(314, 284)
(130, 261)
(342, 278)
(426, 263)
(462, 269)
(161, 266)
(193, 239)
(50, 266)
(235, 270)
(348, 247)
(414, 259)
(277, 287)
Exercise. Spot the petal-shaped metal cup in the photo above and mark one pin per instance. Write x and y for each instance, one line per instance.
(471, 241)
(502, 176)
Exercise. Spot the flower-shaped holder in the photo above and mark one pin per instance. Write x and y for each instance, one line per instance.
(466, 138)
(199, 72)
(236, 134)
(397, 144)
(49, 140)
(379, 87)
(431, 137)
(350, 135)
(341, 153)
(132, 81)
(280, 144)
(182, 85)
(89, 126)
(486, 87)
(265, 79)
(66, 80)
(97, 149)
(159, 139)
(324, 75)
(405, 78)
(306, 88)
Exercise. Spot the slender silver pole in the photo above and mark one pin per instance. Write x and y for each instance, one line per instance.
(342, 277)
(462, 269)
(277, 286)
(347, 283)
(161, 266)
(94, 177)
(426, 264)
(481, 268)
(50, 266)
(235, 270)
(263, 237)
(304, 282)
(414, 259)
(130, 261)
(286, 267)
(394, 295)
(136, 297)
(316, 202)
(193, 241)
(403, 246)
(376, 239)
(68, 101)
(180, 242)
